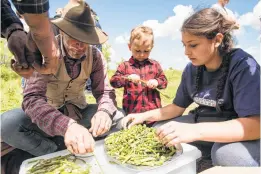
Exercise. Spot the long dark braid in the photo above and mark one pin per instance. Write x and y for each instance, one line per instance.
(222, 80)
(198, 79)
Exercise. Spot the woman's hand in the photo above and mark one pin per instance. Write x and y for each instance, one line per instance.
(173, 133)
(132, 119)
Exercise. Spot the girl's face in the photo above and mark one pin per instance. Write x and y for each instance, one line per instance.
(202, 51)
(141, 48)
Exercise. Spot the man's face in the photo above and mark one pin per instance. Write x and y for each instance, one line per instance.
(74, 48)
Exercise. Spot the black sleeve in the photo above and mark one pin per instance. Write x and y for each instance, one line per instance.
(8, 16)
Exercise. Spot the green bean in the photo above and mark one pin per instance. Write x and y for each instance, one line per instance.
(58, 165)
(139, 146)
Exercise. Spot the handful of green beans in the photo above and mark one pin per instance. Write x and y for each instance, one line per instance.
(138, 146)
(58, 165)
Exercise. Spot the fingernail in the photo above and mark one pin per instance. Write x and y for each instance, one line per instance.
(25, 65)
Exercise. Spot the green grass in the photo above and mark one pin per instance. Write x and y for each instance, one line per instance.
(11, 92)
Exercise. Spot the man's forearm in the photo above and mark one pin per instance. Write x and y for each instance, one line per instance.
(42, 33)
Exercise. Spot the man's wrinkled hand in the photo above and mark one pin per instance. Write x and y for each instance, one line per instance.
(17, 46)
(78, 140)
(101, 123)
(32, 57)
(24, 72)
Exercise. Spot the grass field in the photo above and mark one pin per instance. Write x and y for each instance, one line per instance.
(11, 91)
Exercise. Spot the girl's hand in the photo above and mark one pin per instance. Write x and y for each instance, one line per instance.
(152, 83)
(132, 119)
(174, 132)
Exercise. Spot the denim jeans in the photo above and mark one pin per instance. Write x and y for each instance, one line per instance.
(18, 130)
(245, 153)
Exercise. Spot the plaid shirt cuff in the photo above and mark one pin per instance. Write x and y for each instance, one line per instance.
(31, 6)
(61, 125)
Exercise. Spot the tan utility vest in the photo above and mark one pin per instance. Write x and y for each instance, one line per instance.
(61, 89)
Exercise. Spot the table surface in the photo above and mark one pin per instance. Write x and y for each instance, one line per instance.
(237, 170)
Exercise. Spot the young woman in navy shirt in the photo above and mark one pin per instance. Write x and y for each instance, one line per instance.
(225, 83)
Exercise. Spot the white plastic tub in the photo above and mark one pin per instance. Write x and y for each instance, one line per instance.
(184, 164)
(95, 168)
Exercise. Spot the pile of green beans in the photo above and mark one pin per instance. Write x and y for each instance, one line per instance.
(58, 165)
(138, 146)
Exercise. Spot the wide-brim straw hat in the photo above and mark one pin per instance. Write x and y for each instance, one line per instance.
(77, 22)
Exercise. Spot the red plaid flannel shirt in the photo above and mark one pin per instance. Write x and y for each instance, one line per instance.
(51, 120)
(138, 98)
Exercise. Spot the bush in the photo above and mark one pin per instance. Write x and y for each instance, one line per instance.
(7, 73)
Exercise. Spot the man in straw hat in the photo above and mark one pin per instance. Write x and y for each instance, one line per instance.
(55, 105)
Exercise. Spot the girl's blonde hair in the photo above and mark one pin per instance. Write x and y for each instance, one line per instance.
(138, 32)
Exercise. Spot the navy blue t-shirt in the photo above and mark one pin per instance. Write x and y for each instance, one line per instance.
(241, 92)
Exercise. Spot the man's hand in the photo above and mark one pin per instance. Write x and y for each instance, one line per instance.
(152, 83)
(101, 123)
(17, 46)
(24, 72)
(78, 140)
(24, 58)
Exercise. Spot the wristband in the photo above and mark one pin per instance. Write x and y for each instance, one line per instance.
(106, 111)
(71, 123)
(13, 30)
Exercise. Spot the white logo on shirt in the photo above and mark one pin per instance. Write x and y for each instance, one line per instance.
(206, 102)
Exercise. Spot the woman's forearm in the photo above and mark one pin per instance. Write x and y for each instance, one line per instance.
(165, 113)
(241, 129)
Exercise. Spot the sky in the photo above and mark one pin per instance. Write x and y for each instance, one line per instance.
(118, 18)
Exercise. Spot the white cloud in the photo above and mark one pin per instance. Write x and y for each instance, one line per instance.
(112, 53)
(251, 18)
(122, 39)
(167, 34)
(171, 26)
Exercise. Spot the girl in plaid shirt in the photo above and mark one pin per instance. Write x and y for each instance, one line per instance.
(140, 75)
